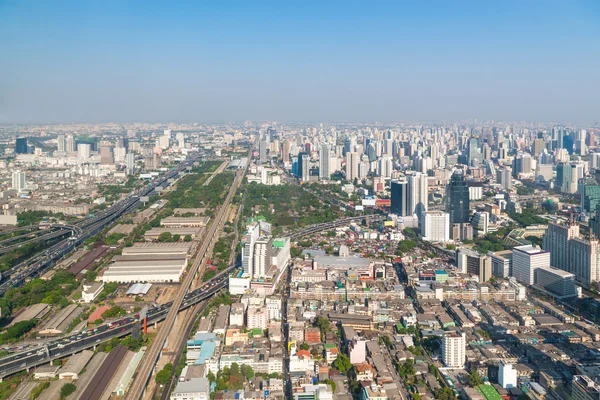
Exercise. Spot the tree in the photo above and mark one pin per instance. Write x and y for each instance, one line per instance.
(248, 372)
(66, 390)
(187, 238)
(474, 378)
(304, 346)
(164, 375)
(331, 383)
(176, 238)
(342, 363)
(165, 237)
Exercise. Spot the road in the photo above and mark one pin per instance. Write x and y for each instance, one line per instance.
(330, 225)
(148, 362)
(86, 339)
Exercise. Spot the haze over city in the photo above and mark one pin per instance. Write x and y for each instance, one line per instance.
(94, 62)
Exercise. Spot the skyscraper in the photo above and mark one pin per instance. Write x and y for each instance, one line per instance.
(130, 160)
(590, 195)
(457, 202)
(453, 349)
(302, 165)
(106, 155)
(262, 151)
(584, 259)
(352, 160)
(263, 249)
(83, 151)
(21, 146)
(62, 143)
(71, 147)
(324, 172)
(526, 259)
(18, 180)
(418, 189)
(285, 151)
(399, 198)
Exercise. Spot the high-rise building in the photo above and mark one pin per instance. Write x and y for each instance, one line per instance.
(304, 167)
(18, 180)
(475, 264)
(584, 258)
(399, 198)
(418, 191)
(556, 281)
(84, 151)
(130, 161)
(457, 203)
(590, 195)
(106, 155)
(285, 151)
(21, 146)
(385, 166)
(71, 146)
(507, 375)
(504, 177)
(324, 163)
(526, 259)
(480, 222)
(62, 143)
(250, 238)
(263, 251)
(262, 151)
(436, 226)
(453, 349)
(522, 164)
(568, 175)
(502, 263)
(352, 161)
(556, 241)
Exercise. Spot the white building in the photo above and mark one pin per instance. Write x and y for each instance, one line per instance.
(83, 151)
(193, 389)
(507, 376)
(453, 349)
(274, 308)
(526, 259)
(257, 317)
(90, 292)
(436, 226)
(18, 180)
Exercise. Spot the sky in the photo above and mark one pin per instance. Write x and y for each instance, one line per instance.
(321, 61)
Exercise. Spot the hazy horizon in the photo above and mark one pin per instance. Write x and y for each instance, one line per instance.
(339, 61)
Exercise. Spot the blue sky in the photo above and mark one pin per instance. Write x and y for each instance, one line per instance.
(323, 61)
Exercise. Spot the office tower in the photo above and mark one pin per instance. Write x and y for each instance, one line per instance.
(502, 263)
(301, 157)
(285, 151)
(544, 172)
(21, 146)
(248, 242)
(487, 135)
(475, 264)
(363, 170)
(538, 146)
(263, 252)
(595, 161)
(262, 151)
(106, 155)
(461, 232)
(436, 226)
(18, 180)
(526, 259)
(62, 143)
(584, 260)
(180, 140)
(418, 192)
(590, 195)
(130, 161)
(457, 202)
(568, 175)
(504, 177)
(385, 166)
(556, 281)
(84, 151)
(71, 146)
(556, 241)
(481, 222)
(164, 141)
(324, 163)
(453, 349)
(522, 164)
(352, 161)
(399, 198)
(568, 143)
(507, 375)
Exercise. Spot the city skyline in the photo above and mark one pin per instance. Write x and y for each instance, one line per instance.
(310, 62)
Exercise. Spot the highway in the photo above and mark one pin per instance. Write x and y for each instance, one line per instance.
(86, 228)
(331, 225)
(58, 231)
(86, 339)
(152, 353)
